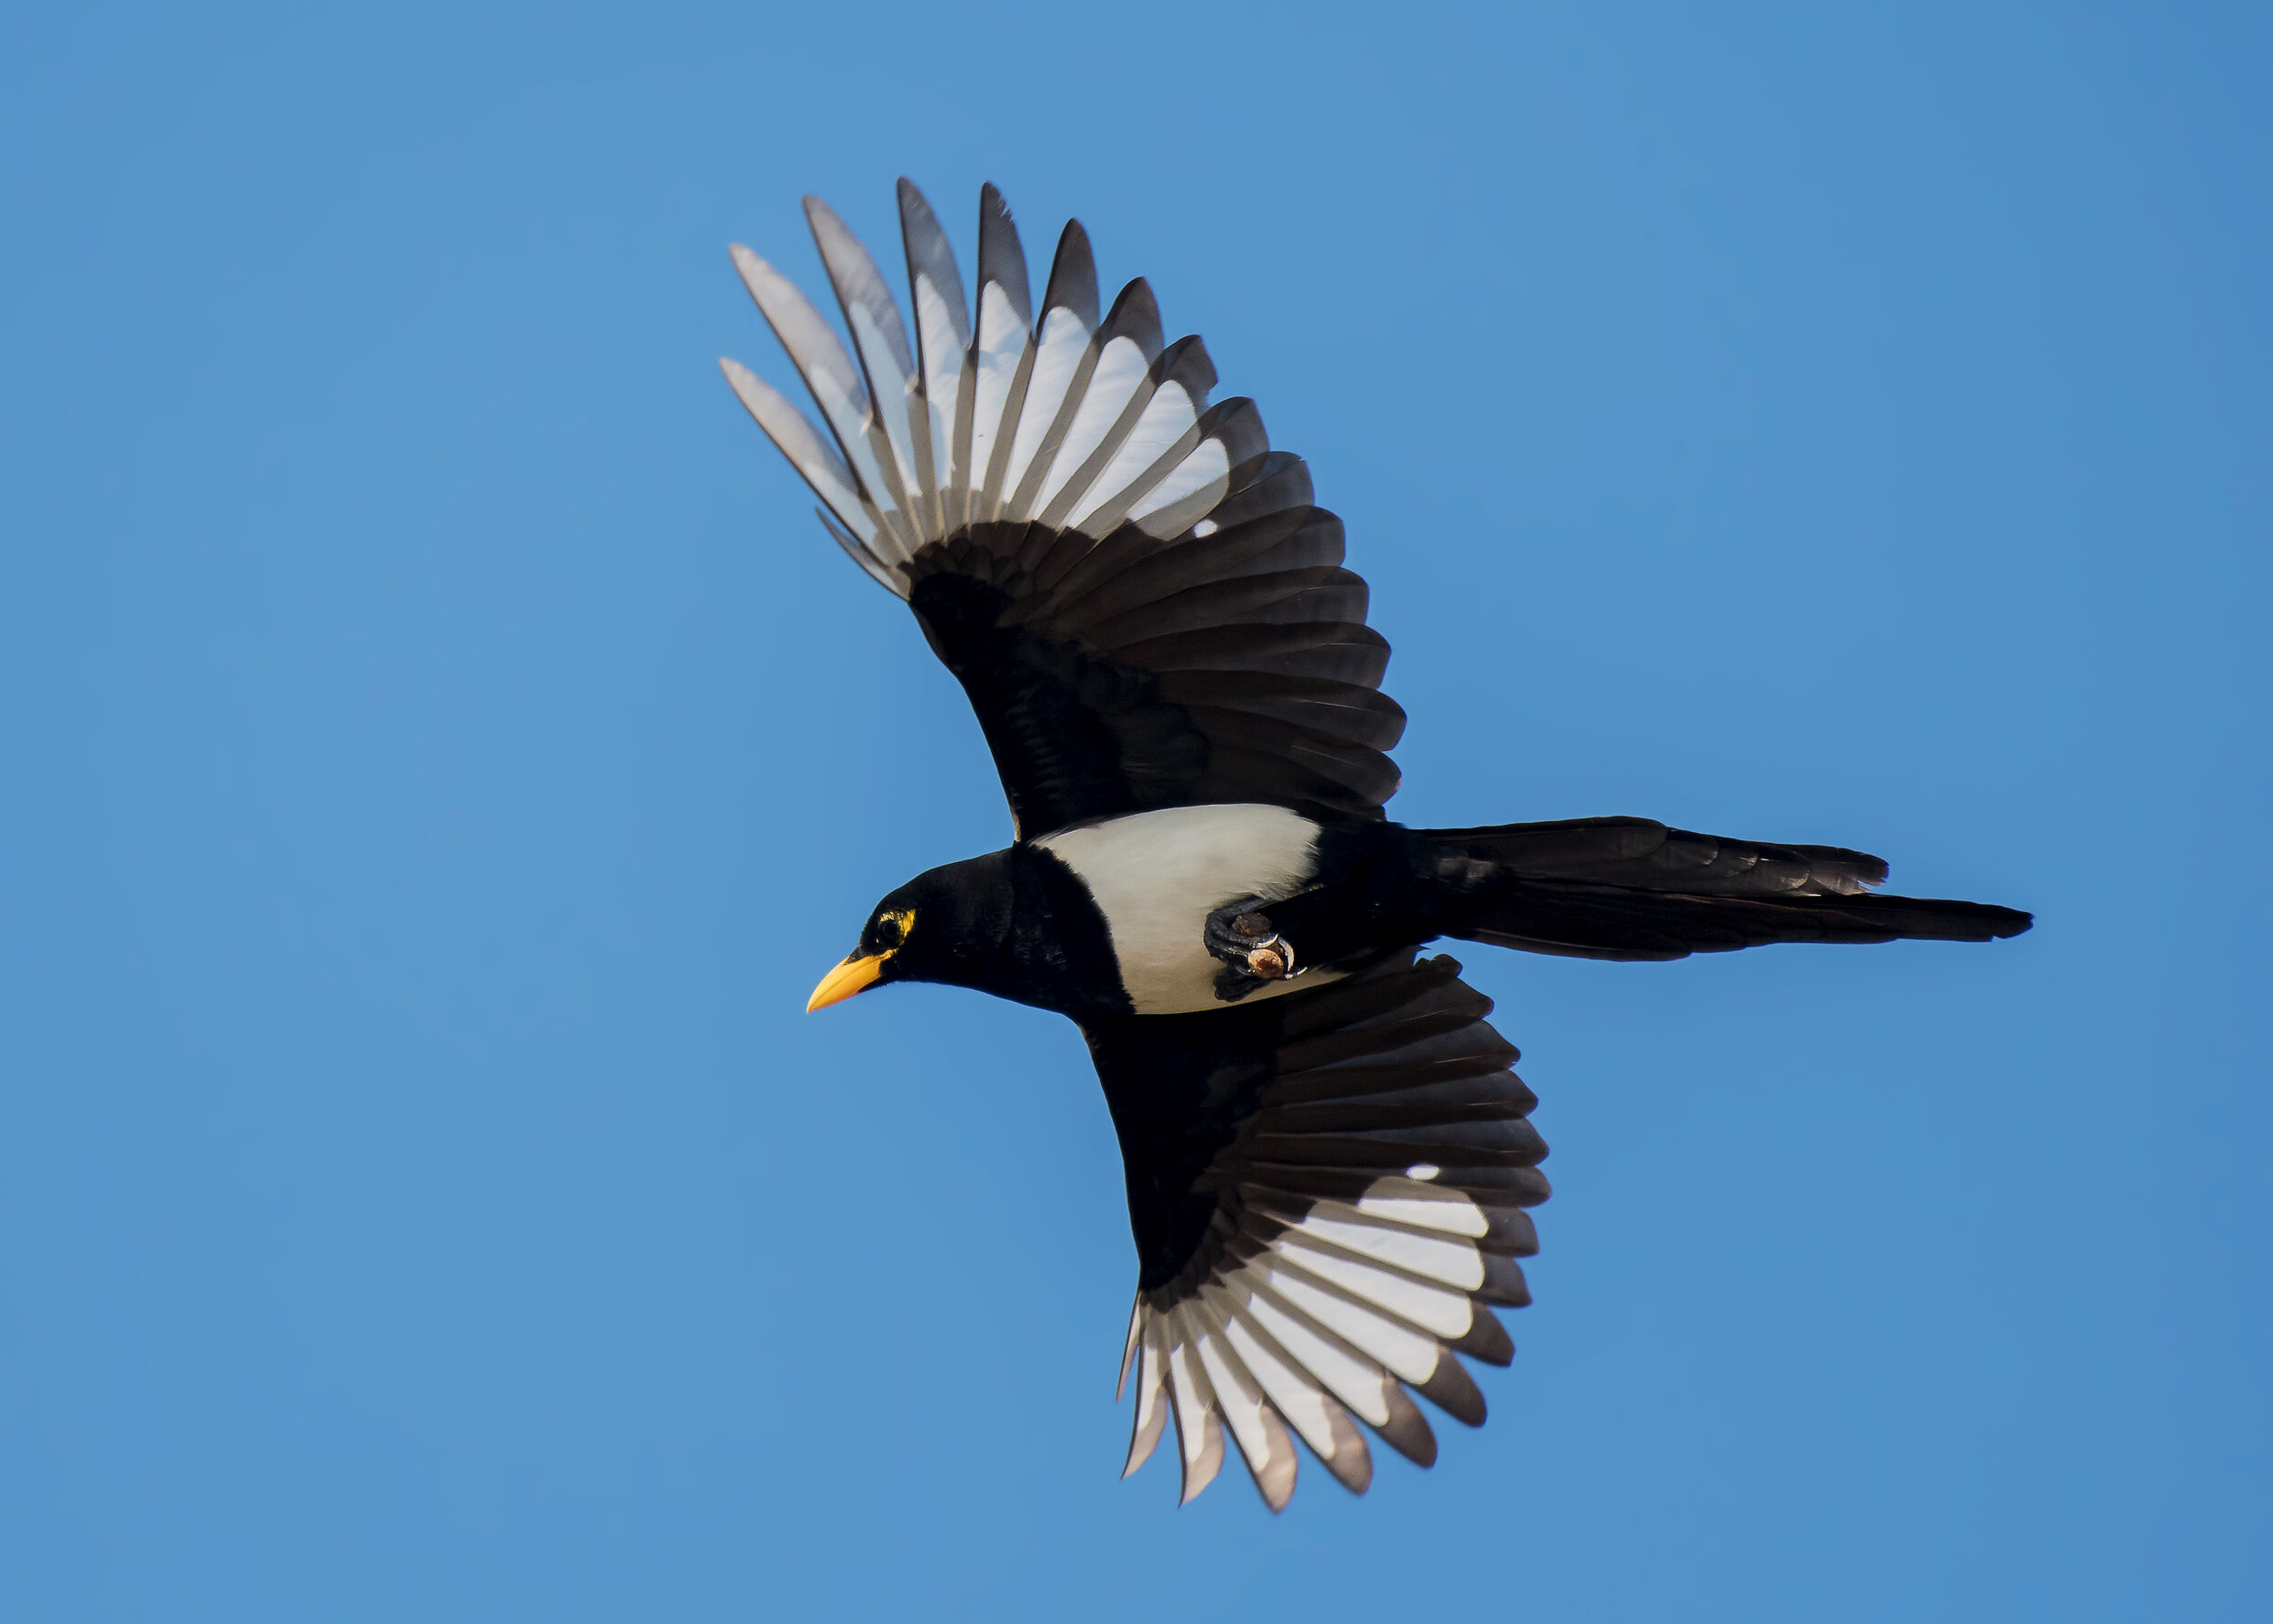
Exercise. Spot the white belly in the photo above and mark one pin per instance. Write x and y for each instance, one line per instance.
(1156, 877)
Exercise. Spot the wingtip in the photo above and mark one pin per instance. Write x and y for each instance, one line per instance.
(1351, 1463)
(913, 204)
(1075, 249)
(1452, 1390)
(1128, 1346)
(1274, 1477)
(1143, 1438)
(818, 214)
(1135, 302)
(1073, 283)
(1406, 1430)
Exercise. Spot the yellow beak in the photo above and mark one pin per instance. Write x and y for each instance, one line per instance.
(844, 980)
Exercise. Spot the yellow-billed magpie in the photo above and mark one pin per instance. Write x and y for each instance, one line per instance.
(1327, 1157)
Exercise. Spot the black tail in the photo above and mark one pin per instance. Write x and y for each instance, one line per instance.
(1627, 888)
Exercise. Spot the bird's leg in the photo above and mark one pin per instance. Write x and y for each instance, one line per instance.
(1382, 896)
(1253, 952)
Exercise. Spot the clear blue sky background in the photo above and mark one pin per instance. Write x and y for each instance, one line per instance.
(441, 751)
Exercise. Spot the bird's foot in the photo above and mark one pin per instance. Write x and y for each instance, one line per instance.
(1253, 952)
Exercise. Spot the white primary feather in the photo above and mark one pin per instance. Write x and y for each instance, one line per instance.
(1358, 1382)
(983, 417)
(1169, 424)
(1408, 1353)
(1451, 1261)
(1293, 1391)
(1198, 1429)
(808, 451)
(1237, 1396)
(880, 338)
(1426, 1207)
(943, 338)
(1152, 1401)
(1433, 1308)
(1003, 343)
(839, 393)
(1120, 372)
(1195, 485)
(1060, 350)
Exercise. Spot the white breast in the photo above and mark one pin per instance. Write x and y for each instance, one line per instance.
(1156, 877)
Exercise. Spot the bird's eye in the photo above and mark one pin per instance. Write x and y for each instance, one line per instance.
(892, 928)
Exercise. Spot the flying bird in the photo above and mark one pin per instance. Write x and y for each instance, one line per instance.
(1329, 1161)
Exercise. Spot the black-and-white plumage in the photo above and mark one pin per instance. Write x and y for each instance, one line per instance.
(1328, 1160)
(1090, 508)
(1328, 1191)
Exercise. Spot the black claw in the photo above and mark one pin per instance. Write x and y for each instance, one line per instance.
(1253, 952)
(1223, 936)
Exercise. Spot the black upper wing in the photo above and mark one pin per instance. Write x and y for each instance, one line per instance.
(1138, 594)
(1234, 667)
(1327, 1189)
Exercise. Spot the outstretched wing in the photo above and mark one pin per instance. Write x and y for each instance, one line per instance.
(1138, 594)
(1326, 1190)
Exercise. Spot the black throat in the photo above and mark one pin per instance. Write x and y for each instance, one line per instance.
(1020, 925)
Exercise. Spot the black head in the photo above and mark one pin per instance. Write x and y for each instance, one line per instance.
(951, 925)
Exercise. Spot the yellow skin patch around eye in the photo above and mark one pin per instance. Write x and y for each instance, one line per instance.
(860, 971)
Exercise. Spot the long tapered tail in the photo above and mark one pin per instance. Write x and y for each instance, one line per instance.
(1628, 887)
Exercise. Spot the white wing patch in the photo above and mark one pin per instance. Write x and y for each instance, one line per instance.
(1297, 1341)
(992, 418)
(1331, 1288)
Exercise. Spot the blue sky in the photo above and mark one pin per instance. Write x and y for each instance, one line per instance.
(438, 752)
